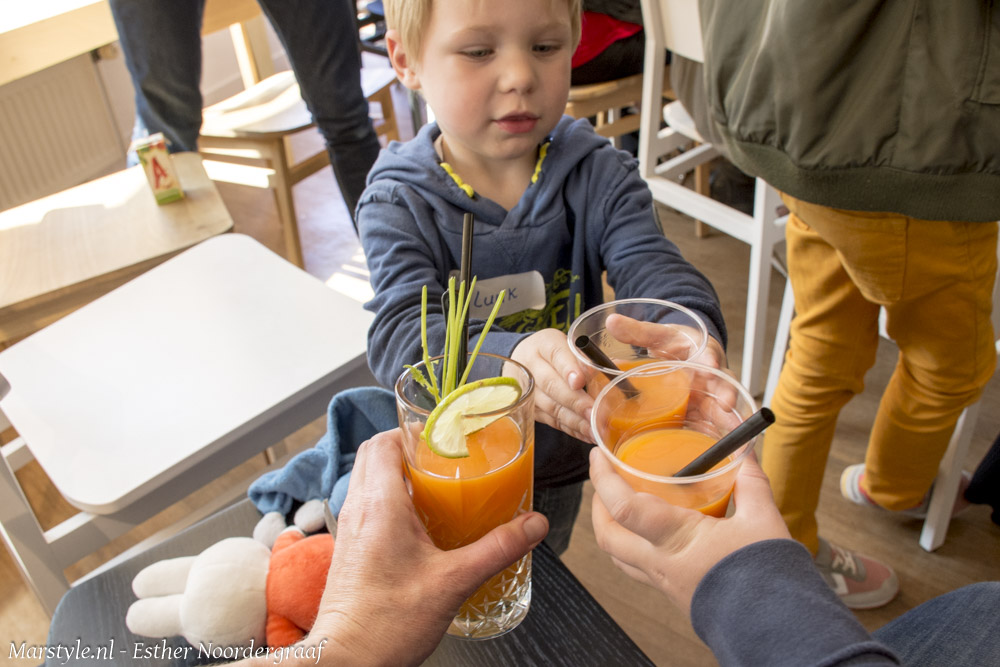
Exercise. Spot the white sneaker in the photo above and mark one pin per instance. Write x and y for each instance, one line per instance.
(850, 488)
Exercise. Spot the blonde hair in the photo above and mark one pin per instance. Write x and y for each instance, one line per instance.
(410, 18)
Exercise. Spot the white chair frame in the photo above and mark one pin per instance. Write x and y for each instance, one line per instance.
(676, 25)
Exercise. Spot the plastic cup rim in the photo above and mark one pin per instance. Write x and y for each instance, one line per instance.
(571, 335)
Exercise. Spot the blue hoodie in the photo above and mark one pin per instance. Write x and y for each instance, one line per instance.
(586, 212)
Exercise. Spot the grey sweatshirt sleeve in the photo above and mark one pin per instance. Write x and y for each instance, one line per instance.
(767, 605)
(640, 260)
(401, 261)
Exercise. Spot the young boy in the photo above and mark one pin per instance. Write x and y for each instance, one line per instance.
(555, 205)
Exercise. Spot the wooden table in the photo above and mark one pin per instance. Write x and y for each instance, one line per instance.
(36, 35)
(565, 625)
(62, 251)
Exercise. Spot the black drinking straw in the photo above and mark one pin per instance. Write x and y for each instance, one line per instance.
(729, 443)
(465, 276)
(602, 360)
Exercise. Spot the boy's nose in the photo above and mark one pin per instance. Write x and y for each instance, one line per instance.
(517, 74)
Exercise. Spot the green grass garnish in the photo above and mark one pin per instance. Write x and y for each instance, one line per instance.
(455, 317)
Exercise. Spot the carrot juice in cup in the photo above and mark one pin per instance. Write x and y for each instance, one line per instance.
(649, 452)
(644, 399)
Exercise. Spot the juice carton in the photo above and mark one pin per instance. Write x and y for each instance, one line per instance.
(159, 167)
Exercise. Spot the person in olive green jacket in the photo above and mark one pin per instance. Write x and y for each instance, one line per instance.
(880, 124)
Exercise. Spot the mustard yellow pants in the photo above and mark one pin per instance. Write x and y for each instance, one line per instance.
(935, 280)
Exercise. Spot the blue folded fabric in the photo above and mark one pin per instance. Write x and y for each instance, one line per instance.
(323, 471)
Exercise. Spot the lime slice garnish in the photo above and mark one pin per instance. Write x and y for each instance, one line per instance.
(458, 414)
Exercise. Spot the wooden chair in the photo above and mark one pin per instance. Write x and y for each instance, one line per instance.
(607, 101)
(255, 126)
(676, 25)
(370, 21)
(949, 475)
(160, 387)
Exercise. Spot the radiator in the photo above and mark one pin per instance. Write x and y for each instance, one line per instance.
(56, 131)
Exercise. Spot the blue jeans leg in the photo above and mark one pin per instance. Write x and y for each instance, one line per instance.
(560, 505)
(320, 38)
(161, 42)
(162, 45)
(958, 628)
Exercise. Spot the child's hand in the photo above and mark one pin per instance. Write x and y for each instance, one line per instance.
(668, 341)
(560, 400)
(713, 355)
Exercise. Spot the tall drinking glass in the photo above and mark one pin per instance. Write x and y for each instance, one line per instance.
(460, 500)
(668, 414)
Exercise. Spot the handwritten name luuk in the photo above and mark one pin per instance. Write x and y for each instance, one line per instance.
(159, 650)
(480, 300)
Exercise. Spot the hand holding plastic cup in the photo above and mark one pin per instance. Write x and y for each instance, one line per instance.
(675, 412)
(620, 335)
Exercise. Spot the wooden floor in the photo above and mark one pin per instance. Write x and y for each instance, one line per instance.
(971, 552)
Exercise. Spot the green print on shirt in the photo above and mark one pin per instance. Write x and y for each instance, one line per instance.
(558, 312)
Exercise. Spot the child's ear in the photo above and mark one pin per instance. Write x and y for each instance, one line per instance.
(400, 62)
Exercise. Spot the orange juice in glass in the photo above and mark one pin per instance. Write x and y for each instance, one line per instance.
(461, 499)
(664, 331)
(648, 452)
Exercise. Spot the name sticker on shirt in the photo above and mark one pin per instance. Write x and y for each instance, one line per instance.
(524, 291)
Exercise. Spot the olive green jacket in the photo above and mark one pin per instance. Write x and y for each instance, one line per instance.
(877, 105)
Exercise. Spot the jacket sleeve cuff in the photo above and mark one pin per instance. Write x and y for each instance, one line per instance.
(766, 604)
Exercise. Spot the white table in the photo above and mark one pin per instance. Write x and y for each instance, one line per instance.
(157, 388)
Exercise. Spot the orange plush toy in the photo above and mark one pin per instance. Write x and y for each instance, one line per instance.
(295, 583)
(236, 592)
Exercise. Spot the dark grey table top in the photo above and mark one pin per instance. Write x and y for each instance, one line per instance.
(565, 625)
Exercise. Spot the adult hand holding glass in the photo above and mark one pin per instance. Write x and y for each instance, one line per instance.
(672, 548)
(390, 593)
